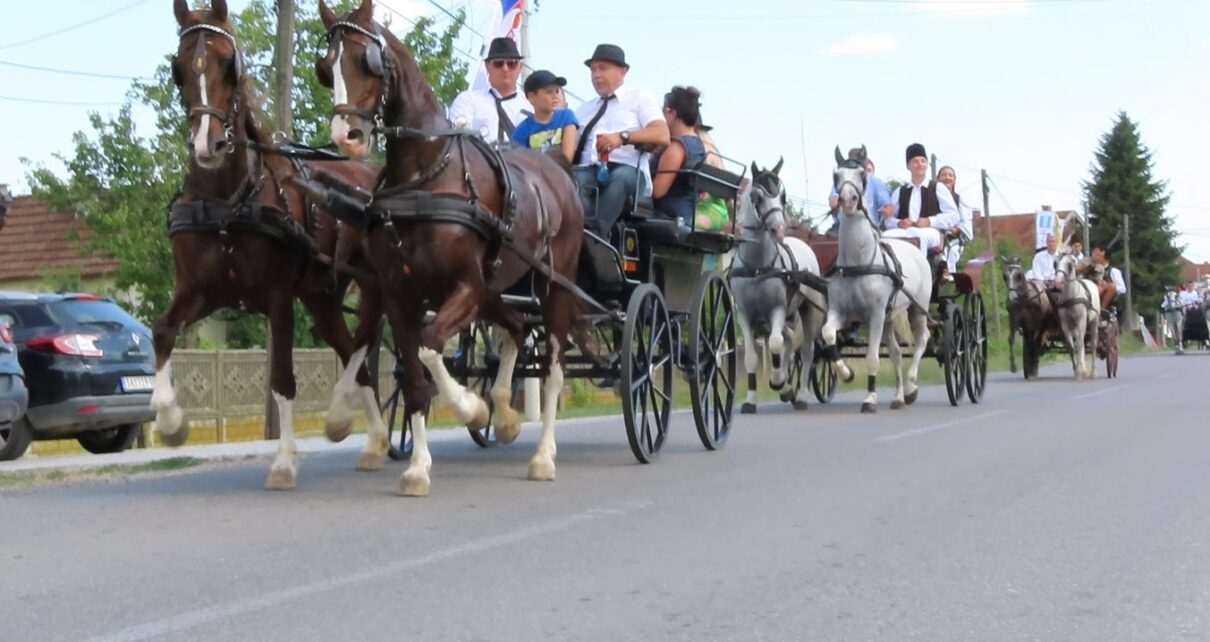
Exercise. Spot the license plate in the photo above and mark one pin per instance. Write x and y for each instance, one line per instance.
(137, 384)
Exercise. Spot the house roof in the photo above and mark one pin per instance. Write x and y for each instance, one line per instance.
(36, 239)
(1191, 271)
(1018, 226)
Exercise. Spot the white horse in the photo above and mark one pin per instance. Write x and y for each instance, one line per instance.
(766, 281)
(1174, 318)
(875, 280)
(1079, 308)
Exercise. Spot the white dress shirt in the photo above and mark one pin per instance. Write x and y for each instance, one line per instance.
(476, 109)
(629, 110)
(1190, 298)
(1119, 283)
(1043, 268)
(948, 217)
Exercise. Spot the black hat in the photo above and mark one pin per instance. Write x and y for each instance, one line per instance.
(608, 53)
(914, 150)
(704, 127)
(543, 78)
(503, 49)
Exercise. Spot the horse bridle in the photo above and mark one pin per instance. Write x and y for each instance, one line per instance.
(378, 62)
(226, 119)
(840, 185)
(764, 216)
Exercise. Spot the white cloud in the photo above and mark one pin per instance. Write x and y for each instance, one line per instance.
(971, 7)
(864, 43)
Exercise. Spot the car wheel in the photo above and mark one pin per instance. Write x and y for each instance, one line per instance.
(110, 440)
(14, 439)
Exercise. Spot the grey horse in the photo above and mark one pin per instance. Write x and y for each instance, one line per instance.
(1174, 317)
(874, 281)
(767, 277)
(1079, 308)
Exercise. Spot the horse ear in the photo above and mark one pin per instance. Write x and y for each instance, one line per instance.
(777, 167)
(755, 170)
(181, 9)
(839, 157)
(366, 10)
(326, 15)
(218, 10)
(863, 152)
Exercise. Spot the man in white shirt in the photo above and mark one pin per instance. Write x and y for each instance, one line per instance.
(481, 110)
(1043, 268)
(919, 209)
(612, 124)
(1111, 285)
(1190, 296)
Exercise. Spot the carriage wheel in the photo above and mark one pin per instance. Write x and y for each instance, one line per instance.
(794, 375)
(824, 379)
(976, 350)
(480, 358)
(953, 352)
(646, 372)
(396, 418)
(712, 343)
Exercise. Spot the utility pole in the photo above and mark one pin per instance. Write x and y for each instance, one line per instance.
(933, 165)
(1087, 225)
(1129, 288)
(525, 52)
(991, 246)
(283, 64)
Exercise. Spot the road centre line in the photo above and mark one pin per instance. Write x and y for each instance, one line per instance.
(242, 605)
(927, 429)
(1098, 393)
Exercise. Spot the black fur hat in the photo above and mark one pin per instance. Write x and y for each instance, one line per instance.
(914, 150)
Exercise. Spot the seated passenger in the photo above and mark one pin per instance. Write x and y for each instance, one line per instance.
(1112, 285)
(1043, 268)
(964, 230)
(550, 126)
(673, 194)
(922, 208)
(619, 118)
(710, 213)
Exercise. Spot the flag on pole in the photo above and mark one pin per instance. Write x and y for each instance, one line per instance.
(506, 24)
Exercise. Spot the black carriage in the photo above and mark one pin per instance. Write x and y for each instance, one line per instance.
(1195, 331)
(961, 346)
(655, 301)
(1109, 342)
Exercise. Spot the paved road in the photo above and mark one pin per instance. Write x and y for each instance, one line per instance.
(1054, 511)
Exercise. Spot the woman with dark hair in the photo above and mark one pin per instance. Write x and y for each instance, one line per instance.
(672, 194)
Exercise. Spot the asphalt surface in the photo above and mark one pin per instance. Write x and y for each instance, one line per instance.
(1054, 510)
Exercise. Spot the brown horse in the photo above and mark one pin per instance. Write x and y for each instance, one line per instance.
(243, 237)
(448, 252)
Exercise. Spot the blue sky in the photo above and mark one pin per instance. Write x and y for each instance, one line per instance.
(1021, 88)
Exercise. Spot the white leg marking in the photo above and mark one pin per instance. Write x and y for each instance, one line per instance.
(339, 420)
(467, 406)
(168, 416)
(507, 421)
(375, 452)
(415, 481)
(542, 465)
(283, 474)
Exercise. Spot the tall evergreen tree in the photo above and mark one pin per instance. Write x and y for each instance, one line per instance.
(1122, 184)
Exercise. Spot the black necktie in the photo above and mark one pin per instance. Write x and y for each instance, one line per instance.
(588, 129)
(505, 126)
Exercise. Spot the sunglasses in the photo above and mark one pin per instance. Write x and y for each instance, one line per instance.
(505, 64)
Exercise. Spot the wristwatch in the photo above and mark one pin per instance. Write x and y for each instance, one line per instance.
(625, 137)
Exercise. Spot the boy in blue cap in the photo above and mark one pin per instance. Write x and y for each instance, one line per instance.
(550, 127)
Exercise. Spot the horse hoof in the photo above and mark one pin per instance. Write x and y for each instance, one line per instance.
(482, 415)
(370, 462)
(429, 357)
(897, 405)
(848, 378)
(508, 425)
(337, 431)
(175, 439)
(747, 409)
(414, 484)
(282, 478)
(868, 408)
(786, 396)
(540, 470)
(800, 405)
(910, 398)
(776, 386)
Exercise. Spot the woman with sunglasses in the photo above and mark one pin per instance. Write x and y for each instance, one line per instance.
(495, 110)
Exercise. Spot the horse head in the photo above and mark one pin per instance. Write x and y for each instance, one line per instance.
(357, 67)
(1014, 275)
(763, 212)
(207, 71)
(1065, 267)
(849, 179)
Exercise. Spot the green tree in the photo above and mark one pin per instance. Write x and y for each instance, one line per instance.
(1122, 184)
(121, 182)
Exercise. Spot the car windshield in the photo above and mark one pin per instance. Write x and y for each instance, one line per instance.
(97, 313)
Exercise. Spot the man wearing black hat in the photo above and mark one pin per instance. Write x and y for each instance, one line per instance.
(921, 209)
(614, 122)
(496, 110)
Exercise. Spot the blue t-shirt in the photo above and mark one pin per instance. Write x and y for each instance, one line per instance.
(534, 135)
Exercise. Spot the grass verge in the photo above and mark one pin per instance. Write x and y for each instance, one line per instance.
(24, 478)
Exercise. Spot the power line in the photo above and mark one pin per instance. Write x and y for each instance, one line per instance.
(40, 101)
(75, 26)
(69, 72)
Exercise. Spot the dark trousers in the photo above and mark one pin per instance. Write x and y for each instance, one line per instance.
(603, 207)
